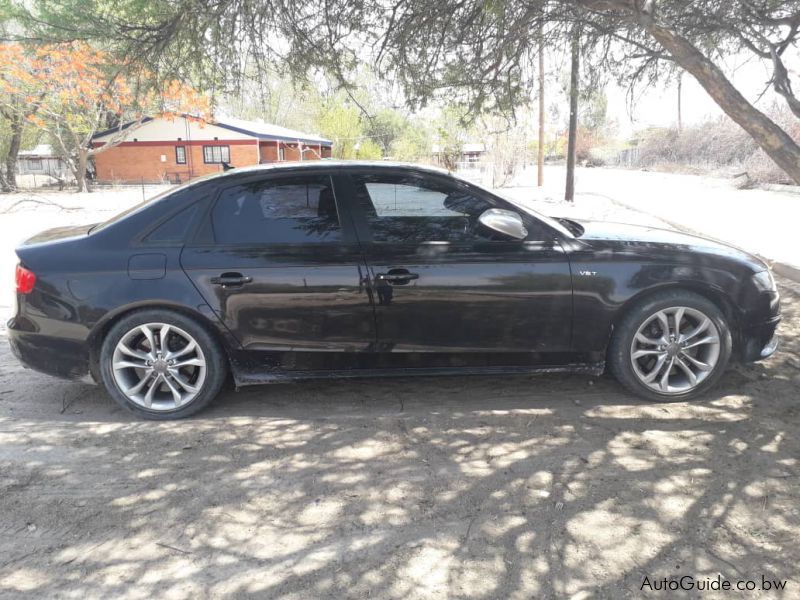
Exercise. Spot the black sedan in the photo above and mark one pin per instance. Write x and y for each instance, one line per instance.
(331, 270)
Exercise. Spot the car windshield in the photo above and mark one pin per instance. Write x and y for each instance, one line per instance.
(157, 198)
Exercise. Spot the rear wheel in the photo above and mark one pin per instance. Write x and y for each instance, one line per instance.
(671, 347)
(161, 364)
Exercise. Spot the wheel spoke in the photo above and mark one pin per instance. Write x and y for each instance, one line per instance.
(148, 397)
(182, 352)
(643, 339)
(686, 369)
(134, 353)
(646, 352)
(664, 321)
(191, 362)
(182, 382)
(678, 318)
(148, 333)
(176, 394)
(163, 336)
(651, 376)
(664, 382)
(127, 364)
(697, 330)
(711, 339)
(699, 364)
(138, 387)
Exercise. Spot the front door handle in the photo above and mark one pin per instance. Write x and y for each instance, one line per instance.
(231, 280)
(397, 276)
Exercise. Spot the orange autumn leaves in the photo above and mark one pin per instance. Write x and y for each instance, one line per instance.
(75, 85)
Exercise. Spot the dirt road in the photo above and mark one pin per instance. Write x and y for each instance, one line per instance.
(431, 488)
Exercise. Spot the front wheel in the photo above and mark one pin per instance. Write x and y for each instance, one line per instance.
(161, 364)
(671, 347)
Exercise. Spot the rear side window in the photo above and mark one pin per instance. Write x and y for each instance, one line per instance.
(174, 229)
(296, 210)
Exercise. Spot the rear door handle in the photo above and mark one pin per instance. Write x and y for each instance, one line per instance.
(231, 280)
(399, 276)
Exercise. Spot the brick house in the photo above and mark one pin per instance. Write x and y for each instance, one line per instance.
(177, 149)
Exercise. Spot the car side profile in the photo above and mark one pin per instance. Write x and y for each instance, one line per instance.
(353, 269)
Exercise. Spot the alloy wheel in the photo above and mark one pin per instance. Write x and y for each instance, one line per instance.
(159, 366)
(675, 349)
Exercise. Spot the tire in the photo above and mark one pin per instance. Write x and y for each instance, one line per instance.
(189, 372)
(637, 347)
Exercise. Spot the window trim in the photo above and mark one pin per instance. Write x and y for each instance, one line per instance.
(365, 231)
(178, 160)
(204, 235)
(210, 147)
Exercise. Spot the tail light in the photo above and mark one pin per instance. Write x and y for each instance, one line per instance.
(25, 280)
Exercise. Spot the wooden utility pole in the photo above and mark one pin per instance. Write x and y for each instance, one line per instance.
(569, 194)
(540, 157)
(680, 93)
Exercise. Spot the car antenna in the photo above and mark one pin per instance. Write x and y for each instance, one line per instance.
(227, 166)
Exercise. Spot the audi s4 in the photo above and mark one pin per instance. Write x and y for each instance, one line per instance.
(349, 269)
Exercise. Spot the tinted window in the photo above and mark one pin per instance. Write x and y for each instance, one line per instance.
(410, 209)
(277, 211)
(175, 228)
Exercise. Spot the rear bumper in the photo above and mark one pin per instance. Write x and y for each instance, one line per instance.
(760, 341)
(59, 357)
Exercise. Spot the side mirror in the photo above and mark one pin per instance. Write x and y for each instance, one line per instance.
(505, 222)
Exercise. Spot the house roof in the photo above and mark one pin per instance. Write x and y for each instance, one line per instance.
(256, 129)
(468, 147)
(268, 131)
(43, 150)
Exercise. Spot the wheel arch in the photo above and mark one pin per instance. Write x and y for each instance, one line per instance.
(717, 296)
(104, 325)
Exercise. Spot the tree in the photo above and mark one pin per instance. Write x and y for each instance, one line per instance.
(475, 53)
(72, 95)
(540, 149)
(17, 104)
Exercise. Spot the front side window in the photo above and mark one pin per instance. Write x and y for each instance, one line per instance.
(296, 210)
(216, 154)
(410, 209)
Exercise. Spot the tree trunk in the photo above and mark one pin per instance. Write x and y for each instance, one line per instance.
(569, 194)
(10, 179)
(778, 145)
(80, 170)
(540, 154)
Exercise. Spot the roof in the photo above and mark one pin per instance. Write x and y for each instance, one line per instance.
(328, 163)
(40, 150)
(469, 147)
(256, 129)
(268, 131)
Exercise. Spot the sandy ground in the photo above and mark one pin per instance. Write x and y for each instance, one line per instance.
(483, 487)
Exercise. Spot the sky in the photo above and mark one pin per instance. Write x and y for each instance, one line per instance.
(658, 107)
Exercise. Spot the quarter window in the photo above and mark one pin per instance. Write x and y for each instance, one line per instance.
(180, 155)
(294, 210)
(216, 154)
(402, 209)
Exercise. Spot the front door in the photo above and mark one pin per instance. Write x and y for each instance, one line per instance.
(442, 284)
(283, 271)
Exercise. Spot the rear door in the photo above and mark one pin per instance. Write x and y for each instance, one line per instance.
(443, 284)
(282, 268)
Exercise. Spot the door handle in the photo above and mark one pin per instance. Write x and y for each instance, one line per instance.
(231, 280)
(398, 276)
